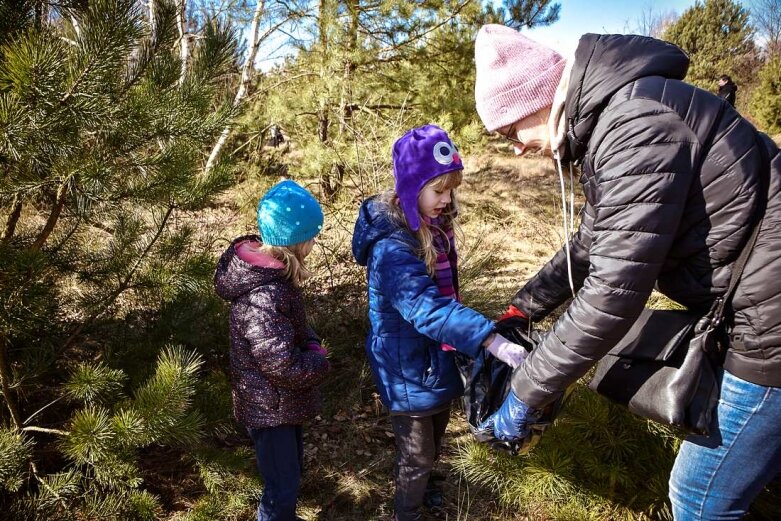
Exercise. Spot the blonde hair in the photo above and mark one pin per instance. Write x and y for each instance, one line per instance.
(450, 181)
(293, 258)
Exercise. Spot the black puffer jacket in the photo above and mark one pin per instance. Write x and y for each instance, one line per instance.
(653, 217)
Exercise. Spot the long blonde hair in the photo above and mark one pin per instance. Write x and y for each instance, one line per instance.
(450, 181)
(293, 258)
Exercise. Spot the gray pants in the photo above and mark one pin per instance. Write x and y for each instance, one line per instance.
(418, 443)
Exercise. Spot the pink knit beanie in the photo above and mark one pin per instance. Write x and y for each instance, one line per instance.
(516, 76)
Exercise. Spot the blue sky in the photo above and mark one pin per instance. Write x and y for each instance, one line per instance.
(599, 16)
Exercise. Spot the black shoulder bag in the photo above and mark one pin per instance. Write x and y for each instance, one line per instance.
(665, 368)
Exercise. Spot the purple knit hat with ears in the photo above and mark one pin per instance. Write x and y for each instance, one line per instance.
(419, 156)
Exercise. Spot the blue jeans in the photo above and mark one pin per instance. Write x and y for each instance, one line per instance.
(716, 478)
(279, 452)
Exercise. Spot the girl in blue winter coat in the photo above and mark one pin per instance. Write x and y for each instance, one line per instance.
(276, 358)
(405, 238)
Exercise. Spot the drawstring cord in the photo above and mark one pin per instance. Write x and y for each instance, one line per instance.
(569, 224)
(571, 199)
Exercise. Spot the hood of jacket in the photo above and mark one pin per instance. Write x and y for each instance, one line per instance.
(604, 63)
(372, 225)
(235, 277)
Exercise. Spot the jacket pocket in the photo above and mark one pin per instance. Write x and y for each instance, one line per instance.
(263, 398)
(387, 357)
(431, 372)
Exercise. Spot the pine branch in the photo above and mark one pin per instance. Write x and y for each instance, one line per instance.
(81, 77)
(415, 37)
(5, 378)
(160, 24)
(59, 204)
(13, 218)
(105, 47)
(123, 285)
(58, 432)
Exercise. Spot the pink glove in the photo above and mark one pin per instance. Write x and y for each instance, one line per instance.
(509, 353)
(316, 346)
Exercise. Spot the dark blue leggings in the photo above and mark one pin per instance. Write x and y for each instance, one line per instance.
(280, 456)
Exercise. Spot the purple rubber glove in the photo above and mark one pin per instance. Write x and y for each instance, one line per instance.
(511, 421)
(509, 353)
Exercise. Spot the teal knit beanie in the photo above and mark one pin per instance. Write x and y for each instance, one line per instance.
(288, 214)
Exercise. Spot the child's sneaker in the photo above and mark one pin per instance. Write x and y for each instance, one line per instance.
(433, 500)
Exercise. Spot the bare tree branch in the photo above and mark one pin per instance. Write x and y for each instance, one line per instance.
(246, 75)
(5, 383)
(766, 15)
(58, 432)
(653, 23)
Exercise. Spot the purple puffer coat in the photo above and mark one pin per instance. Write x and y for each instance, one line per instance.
(273, 375)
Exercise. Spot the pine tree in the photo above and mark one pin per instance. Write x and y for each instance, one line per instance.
(530, 13)
(766, 100)
(367, 72)
(719, 40)
(102, 148)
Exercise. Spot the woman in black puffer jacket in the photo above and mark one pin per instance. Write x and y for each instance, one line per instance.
(672, 178)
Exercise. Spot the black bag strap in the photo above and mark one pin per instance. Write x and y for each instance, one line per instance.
(722, 302)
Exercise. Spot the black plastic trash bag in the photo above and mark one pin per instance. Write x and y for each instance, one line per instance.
(486, 385)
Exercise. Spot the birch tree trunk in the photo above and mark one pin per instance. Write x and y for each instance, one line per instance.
(152, 14)
(246, 76)
(184, 43)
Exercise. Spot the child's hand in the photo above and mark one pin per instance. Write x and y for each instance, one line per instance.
(317, 347)
(509, 353)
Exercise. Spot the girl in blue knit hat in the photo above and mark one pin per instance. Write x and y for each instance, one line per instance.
(276, 358)
(405, 238)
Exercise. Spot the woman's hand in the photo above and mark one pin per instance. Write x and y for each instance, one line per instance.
(511, 421)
